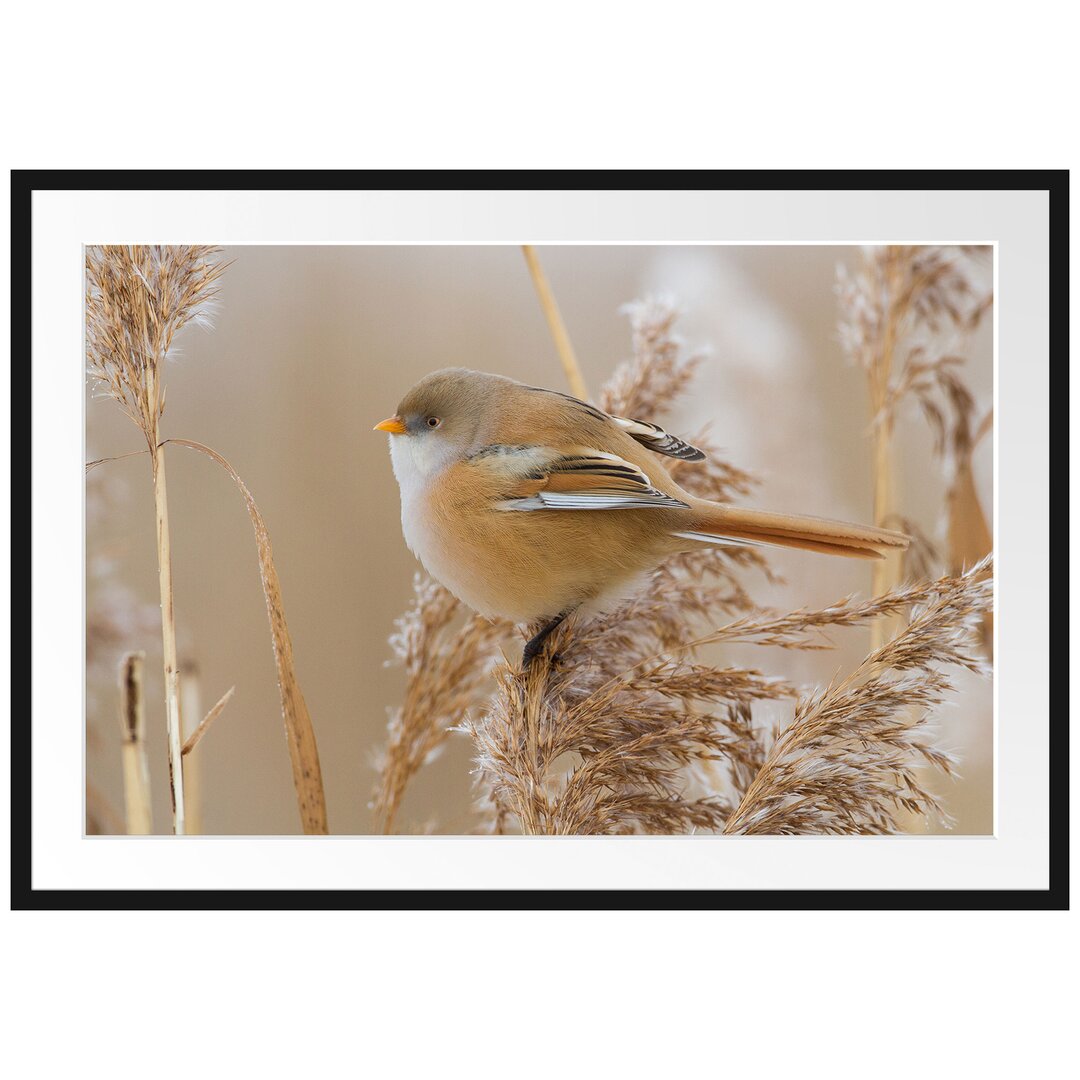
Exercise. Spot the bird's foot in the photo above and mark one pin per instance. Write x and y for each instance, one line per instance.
(536, 642)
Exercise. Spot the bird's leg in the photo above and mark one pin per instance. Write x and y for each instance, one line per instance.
(536, 642)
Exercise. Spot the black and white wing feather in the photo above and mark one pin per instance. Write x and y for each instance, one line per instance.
(658, 439)
(577, 479)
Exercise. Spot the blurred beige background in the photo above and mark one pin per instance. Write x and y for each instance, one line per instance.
(311, 347)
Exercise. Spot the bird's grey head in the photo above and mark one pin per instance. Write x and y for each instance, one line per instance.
(441, 418)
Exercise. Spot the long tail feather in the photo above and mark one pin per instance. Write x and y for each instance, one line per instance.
(720, 524)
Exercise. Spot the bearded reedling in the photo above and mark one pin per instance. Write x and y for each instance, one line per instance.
(506, 493)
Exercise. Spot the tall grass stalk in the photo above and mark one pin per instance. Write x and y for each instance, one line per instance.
(567, 356)
(168, 641)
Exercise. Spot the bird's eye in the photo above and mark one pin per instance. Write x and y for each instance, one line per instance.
(433, 421)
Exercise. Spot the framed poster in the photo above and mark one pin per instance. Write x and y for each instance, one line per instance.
(629, 658)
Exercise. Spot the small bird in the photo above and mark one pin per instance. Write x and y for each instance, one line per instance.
(528, 504)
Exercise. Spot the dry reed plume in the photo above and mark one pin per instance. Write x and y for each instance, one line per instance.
(847, 762)
(905, 319)
(447, 655)
(615, 723)
(137, 299)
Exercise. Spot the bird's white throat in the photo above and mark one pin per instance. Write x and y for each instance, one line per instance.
(416, 459)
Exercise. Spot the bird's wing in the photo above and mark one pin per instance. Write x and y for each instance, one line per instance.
(579, 478)
(649, 435)
(658, 439)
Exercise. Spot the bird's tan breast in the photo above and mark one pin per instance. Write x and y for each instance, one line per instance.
(530, 565)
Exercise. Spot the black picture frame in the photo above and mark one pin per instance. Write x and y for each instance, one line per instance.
(24, 183)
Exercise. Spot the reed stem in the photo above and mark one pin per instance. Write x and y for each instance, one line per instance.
(168, 643)
(886, 572)
(555, 324)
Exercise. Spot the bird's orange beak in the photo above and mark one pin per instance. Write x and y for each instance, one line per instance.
(393, 425)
